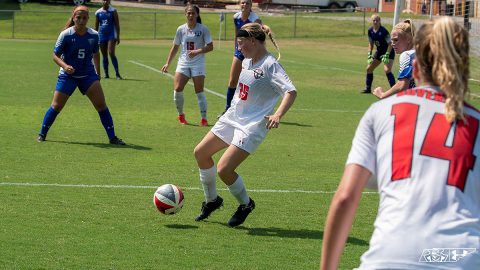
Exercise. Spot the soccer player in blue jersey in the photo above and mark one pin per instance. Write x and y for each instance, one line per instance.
(194, 40)
(246, 15)
(380, 37)
(74, 50)
(402, 43)
(108, 26)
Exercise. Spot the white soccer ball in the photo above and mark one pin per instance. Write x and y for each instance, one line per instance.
(168, 199)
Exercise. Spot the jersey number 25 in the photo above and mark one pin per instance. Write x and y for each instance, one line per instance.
(460, 153)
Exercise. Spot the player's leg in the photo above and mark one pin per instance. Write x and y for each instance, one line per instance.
(227, 165)
(63, 90)
(235, 71)
(179, 82)
(58, 102)
(203, 153)
(95, 93)
(369, 77)
(111, 51)
(388, 71)
(104, 51)
(198, 83)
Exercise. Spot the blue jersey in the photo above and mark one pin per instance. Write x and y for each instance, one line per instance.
(77, 51)
(237, 19)
(106, 23)
(238, 22)
(406, 67)
(380, 38)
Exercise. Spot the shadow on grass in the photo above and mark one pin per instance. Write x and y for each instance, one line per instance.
(124, 79)
(286, 233)
(181, 226)
(105, 145)
(294, 124)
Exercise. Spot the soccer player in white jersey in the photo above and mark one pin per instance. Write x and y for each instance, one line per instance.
(422, 145)
(402, 42)
(74, 51)
(107, 24)
(246, 15)
(245, 124)
(195, 41)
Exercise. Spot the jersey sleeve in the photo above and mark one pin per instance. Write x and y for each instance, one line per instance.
(178, 36)
(60, 44)
(405, 71)
(253, 17)
(363, 151)
(206, 35)
(280, 80)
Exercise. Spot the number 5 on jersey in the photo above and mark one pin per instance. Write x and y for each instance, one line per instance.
(459, 154)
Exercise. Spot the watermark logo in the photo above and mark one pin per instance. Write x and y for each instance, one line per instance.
(442, 255)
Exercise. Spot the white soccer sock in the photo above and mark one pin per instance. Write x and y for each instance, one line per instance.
(239, 191)
(202, 104)
(209, 183)
(178, 98)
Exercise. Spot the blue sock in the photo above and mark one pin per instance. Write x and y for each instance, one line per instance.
(230, 94)
(391, 79)
(107, 122)
(48, 120)
(115, 64)
(105, 65)
(369, 80)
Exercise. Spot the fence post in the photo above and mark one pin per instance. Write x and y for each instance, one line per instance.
(13, 25)
(295, 24)
(155, 25)
(466, 16)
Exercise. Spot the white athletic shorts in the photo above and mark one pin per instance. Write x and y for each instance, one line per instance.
(191, 71)
(235, 136)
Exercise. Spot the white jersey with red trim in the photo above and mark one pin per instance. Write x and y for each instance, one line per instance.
(192, 39)
(259, 88)
(428, 180)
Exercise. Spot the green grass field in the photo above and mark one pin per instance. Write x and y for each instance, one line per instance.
(76, 202)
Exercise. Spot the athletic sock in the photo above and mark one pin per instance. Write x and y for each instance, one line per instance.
(391, 79)
(115, 64)
(107, 122)
(178, 98)
(369, 81)
(230, 94)
(209, 183)
(202, 104)
(48, 120)
(105, 65)
(239, 191)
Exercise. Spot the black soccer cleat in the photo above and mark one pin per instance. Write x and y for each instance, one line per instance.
(241, 214)
(119, 77)
(208, 208)
(365, 91)
(117, 141)
(106, 76)
(41, 138)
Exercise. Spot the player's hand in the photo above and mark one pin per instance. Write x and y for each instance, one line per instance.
(386, 58)
(378, 92)
(165, 68)
(69, 69)
(369, 58)
(193, 53)
(118, 40)
(272, 121)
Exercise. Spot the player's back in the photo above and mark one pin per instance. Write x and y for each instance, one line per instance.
(429, 184)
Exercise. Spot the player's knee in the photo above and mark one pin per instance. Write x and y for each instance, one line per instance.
(57, 106)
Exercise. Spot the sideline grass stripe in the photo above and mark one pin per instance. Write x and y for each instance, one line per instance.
(153, 187)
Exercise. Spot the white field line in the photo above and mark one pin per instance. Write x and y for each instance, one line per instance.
(171, 76)
(224, 97)
(154, 187)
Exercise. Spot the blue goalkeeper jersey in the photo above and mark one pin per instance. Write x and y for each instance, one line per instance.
(77, 51)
